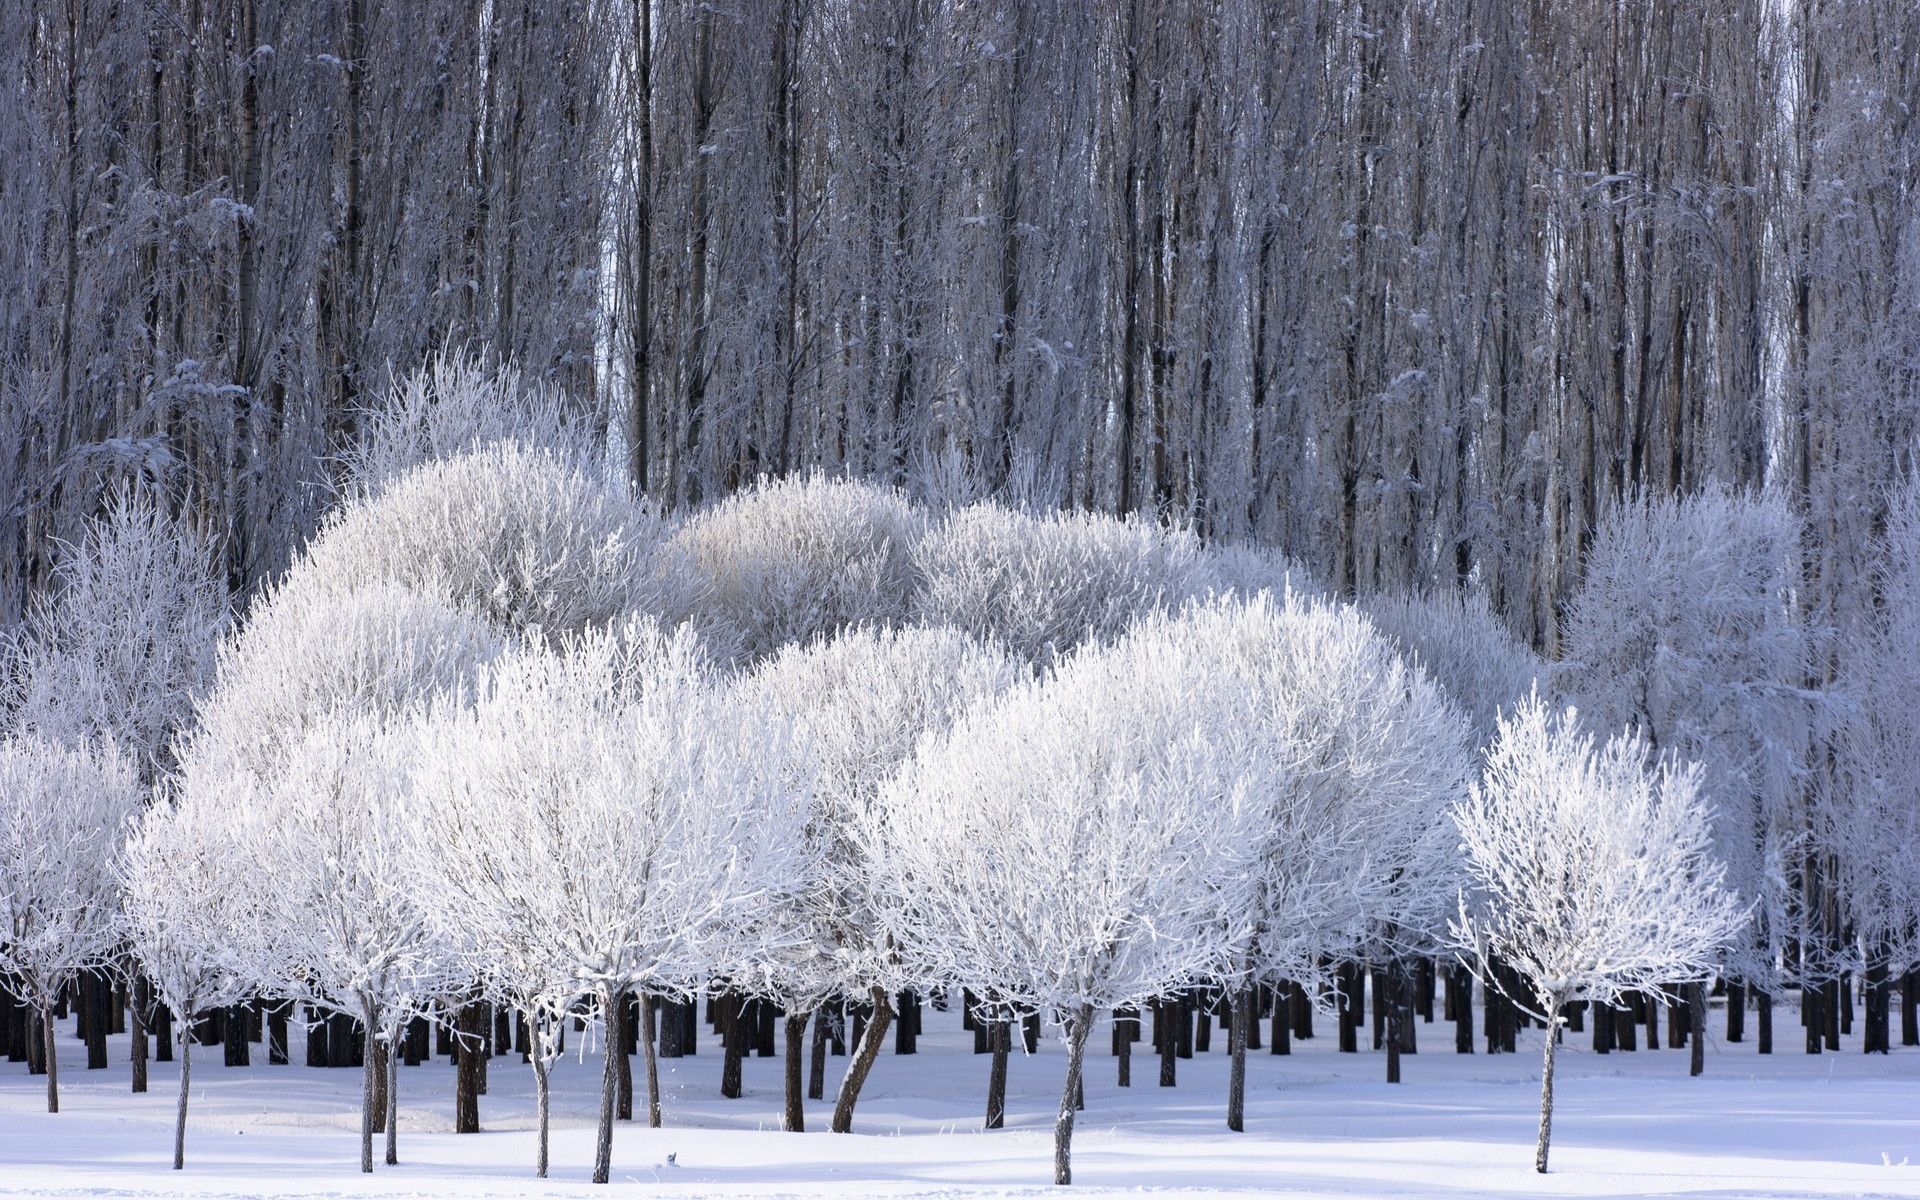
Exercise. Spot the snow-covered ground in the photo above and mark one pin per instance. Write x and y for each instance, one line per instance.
(1319, 1124)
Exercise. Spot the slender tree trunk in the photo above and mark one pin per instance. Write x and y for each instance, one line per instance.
(49, 1049)
(863, 1061)
(1000, 1044)
(541, 1105)
(393, 1095)
(369, 1083)
(1242, 1017)
(1697, 1027)
(137, 1032)
(610, 1004)
(1546, 1084)
(794, 1120)
(180, 1109)
(469, 1059)
(1070, 1095)
(733, 1038)
(620, 1045)
(647, 1017)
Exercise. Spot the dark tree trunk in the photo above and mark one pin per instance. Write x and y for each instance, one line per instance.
(469, 1059)
(1736, 1012)
(1697, 1026)
(1000, 1039)
(863, 1061)
(795, 1117)
(1243, 1018)
(1165, 1040)
(817, 1069)
(1071, 1096)
(137, 1043)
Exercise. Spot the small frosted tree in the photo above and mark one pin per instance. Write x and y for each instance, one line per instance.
(608, 820)
(334, 836)
(119, 650)
(859, 703)
(1869, 820)
(1041, 584)
(1686, 626)
(789, 561)
(125, 641)
(63, 816)
(1598, 868)
(1076, 844)
(194, 909)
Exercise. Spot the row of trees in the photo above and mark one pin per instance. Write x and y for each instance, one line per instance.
(503, 731)
(1415, 290)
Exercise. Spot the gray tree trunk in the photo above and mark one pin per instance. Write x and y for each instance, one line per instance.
(393, 1095)
(863, 1060)
(1000, 1042)
(1242, 1017)
(1697, 1025)
(53, 1059)
(647, 1008)
(180, 1110)
(609, 1082)
(1546, 1083)
(369, 1084)
(541, 1099)
(1070, 1096)
(140, 999)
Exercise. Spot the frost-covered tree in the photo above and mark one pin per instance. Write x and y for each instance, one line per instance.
(334, 835)
(196, 912)
(1457, 639)
(1077, 844)
(457, 403)
(859, 703)
(64, 812)
(1351, 757)
(521, 536)
(1687, 626)
(119, 650)
(1599, 868)
(1041, 584)
(307, 652)
(1870, 821)
(122, 645)
(608, 820)
(789, 561)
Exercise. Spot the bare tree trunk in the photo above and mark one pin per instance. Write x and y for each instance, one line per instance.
(1242, 1017)
(603, 1140)
(1546, 1083)
(817, 1068)
(53, 1060)
(369, 1084)
(1697, 1022)
(1070, 1095)
(541, 1098)
(468, 1063)
(180, 1110)
(863, 1060)
(647, 1016)
(393, 1095)
(137, 1031)
(1000, 1042)
(795, 1117)
(618, 1039)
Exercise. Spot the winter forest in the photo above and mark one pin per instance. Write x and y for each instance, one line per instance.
(1317, 549)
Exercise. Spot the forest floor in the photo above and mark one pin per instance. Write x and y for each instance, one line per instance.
(1319, 1123)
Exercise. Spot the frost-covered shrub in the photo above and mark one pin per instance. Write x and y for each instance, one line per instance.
(455, 404)
(306, 653)
(1042, 584)
(519, 536)
(789, 561)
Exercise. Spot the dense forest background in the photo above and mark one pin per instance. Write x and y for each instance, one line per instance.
(1411, 289)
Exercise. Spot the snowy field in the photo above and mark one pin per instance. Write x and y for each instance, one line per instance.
(1319, 1124)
